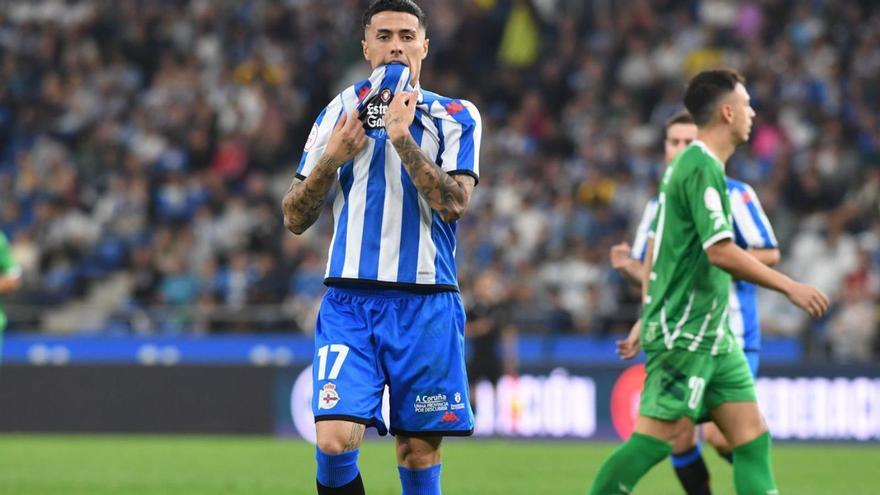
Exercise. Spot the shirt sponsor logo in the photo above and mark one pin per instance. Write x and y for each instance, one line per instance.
(373, 113)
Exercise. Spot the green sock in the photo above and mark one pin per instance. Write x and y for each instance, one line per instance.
(752, 472)
(628, 463)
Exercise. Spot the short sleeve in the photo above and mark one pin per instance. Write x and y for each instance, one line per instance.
(705, 193)
(752, 226)
(644, 231)
(462, 131)
(318, 137)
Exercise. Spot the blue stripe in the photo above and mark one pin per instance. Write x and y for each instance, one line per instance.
(443, 235)
(738, 236)
(748, 302)
(753, 210)
(371, 241)
(410, 224)
(688, 458)
(302, 159)
(337, 257)
(442, 147)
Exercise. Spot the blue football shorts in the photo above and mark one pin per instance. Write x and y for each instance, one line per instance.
(414, 343)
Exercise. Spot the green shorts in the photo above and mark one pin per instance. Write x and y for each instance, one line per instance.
(681, 383)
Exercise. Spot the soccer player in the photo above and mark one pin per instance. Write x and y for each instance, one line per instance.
(694, 366)
(10, 278)
(752, 232)
(406, 161)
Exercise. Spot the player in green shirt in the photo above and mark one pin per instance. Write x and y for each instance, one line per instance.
(10, 275)
(695, 369)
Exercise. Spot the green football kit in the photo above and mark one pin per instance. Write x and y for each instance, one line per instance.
(693, 361)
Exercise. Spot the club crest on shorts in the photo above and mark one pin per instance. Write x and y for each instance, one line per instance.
(328, 397)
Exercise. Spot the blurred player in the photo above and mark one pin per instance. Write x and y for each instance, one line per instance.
(752, 232)
(694, 366)
(406, 161)
(10, 279)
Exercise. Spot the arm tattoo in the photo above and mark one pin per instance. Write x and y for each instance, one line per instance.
(354, 438)
(304, 199)
(445, 195)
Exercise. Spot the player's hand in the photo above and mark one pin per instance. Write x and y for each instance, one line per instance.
(400, 114)
(630, 347)
(809, 299)
(347, 139)
(620, 255)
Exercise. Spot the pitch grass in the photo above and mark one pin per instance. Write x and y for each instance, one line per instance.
(192, 465)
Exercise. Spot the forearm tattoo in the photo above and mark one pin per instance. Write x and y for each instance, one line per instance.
(304, 199)
(444, 194)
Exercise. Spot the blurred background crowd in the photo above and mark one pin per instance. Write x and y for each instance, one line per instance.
(145, 146)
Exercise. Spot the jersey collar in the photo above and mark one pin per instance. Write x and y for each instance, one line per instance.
(705, 148)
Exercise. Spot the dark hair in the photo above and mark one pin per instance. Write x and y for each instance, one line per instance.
(705, 89)
(407, 6)
(682, 117)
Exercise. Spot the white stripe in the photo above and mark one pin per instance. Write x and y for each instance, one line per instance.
(699, 338)
(322, 137)
(426, 270)
(478, 132)
(762, 216)
(451, 141)
(663, 326)
(737, 324)
(640, 243)
(725, 234)
(745, 221)
(392, 217)
(403, 81)
(719, 336)
(670, 340)
(357, 206)
(661, 222)
(430, 136)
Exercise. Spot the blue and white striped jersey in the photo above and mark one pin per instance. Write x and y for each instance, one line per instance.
(385, 233)
(751, 229)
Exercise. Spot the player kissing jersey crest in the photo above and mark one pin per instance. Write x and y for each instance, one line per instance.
(328, 397)
(373, 109)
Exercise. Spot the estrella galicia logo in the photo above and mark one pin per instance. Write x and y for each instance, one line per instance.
(373, 113)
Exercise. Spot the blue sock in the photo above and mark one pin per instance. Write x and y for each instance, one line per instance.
(687, 458)
(335, 470)
(420, 481)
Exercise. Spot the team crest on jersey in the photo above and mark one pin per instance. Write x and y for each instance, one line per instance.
(328, 397)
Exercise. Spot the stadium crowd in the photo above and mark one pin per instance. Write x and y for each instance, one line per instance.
(145, 146)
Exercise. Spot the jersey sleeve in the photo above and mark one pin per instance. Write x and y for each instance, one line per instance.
(318, 137)
(705, 194)
(750, 220)
(462, 131)
(8, 265)
(644, 231)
